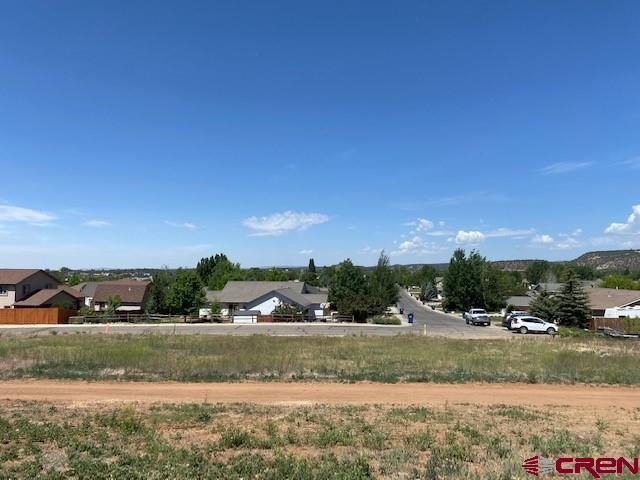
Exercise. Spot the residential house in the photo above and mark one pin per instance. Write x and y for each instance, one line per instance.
(131, 293)
(61, 297)
(265, 296)
(520, 302)
(88, 291)
(16, 284)
(603, 299)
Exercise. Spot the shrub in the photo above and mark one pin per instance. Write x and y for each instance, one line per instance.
(386, 320)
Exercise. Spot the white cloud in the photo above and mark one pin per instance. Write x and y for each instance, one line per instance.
(371, 251)
(469, 238)
(424, 224)
(188, 225)
(564, 167)
(567, 244)
(631, 227)
(279, 223)
(97, 223)
(543, 240)
(306, 252)
(9, 213)
(509, 232)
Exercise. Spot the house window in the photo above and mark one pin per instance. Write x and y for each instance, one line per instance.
(3, 291)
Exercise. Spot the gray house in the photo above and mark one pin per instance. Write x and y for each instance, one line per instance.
(266, 296)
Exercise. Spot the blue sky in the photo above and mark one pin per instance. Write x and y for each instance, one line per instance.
(154, 133)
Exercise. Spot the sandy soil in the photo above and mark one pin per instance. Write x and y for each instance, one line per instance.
(325, 393)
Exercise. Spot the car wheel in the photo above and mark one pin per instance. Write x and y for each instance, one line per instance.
(523, 330)
(551, 331)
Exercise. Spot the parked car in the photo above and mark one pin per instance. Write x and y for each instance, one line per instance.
(508, 317)
(528, 324)
(477, 316)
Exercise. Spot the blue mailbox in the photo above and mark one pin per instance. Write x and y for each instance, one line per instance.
(410, 318)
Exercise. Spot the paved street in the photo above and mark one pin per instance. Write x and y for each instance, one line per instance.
(441, 324)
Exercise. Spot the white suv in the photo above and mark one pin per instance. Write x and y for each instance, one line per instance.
(533, 324)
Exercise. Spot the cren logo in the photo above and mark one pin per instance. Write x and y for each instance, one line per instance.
(537, 466)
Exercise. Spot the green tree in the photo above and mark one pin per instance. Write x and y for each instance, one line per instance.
(348, 291)
(312, 266)
(326, 276)
(113, 303)
(207, 265)
(585, 272)
(286, 309)
(254, 274)
(382, 288)
(573, 302)
(471, 281)
(74, 280)
(158, 301)
(496, 286)
(428, 292)
(620, 281)
(186, 295)
(544, 306)
(536, 273)
(223, 272)
(276, 275)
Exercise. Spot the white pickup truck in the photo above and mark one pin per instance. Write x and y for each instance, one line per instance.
(477, 316)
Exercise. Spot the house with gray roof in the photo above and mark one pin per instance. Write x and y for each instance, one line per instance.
(264, 296)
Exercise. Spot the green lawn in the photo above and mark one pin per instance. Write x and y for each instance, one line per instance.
(402, 358)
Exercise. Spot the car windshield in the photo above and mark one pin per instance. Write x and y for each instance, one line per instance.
(478, 311)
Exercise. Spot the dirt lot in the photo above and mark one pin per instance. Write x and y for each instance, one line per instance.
(597, 397)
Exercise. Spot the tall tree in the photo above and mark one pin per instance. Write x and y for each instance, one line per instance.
(207, 265)
(348, 291)
(473, 282)
(383, 290)
(544, 306)
(573, 302)
(537, 272)
(312, 266)
(186, 295)
(159, 292)
(224, 271)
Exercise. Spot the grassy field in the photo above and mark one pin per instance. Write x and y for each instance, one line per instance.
(402, 358)
(41, 440)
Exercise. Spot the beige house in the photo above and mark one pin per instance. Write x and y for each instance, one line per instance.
(16, 284)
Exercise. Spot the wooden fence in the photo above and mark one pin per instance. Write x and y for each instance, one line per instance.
(626, 325)
(32, 316)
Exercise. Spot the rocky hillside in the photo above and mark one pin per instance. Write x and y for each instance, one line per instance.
(610, 261)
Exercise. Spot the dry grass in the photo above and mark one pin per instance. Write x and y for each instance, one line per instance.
(463, 441)
(402, 358)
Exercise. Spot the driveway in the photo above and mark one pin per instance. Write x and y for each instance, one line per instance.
(442, 324)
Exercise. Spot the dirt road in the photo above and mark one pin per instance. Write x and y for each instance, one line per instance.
(325, 393)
